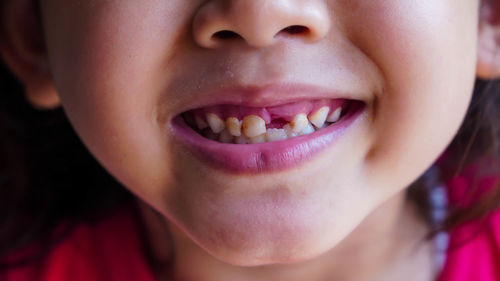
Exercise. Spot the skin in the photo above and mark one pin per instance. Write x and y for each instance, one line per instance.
(122, 69)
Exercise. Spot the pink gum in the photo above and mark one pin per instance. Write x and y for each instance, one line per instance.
(285, 112)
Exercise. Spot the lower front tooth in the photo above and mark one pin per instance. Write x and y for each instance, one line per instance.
(289, 131)
(241, 140)
(258, 139)
(215, 123)
(275, 135)
(226, 137)
(335, 116)
(253, 126)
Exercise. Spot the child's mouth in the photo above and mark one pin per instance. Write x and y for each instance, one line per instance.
(233, 124)
(243, 139)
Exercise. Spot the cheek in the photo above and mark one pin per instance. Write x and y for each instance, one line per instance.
(425, 52)
(110, 69)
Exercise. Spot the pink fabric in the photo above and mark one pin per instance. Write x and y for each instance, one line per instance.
(108, 251)
(474, 250)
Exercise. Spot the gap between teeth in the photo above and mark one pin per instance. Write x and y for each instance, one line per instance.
(252, 129)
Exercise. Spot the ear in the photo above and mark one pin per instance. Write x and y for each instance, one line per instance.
(488, 52)
(22, 48)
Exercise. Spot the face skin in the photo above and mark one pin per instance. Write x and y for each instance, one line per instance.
(122, 70)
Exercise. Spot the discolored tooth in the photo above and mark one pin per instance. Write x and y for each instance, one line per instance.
(309, 129)
(318, 118)
(200, 122)
(289, 131)
(258, 139)
(233, 126)
(335, 116)
(216, 124)
(226, 137)
(241, 140)
(299, 122)
(276, 135)
(253, 126)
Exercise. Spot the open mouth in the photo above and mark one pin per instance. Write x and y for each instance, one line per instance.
(241, 139)
(233, 124)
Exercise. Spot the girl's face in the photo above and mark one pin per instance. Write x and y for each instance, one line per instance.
(127, 70)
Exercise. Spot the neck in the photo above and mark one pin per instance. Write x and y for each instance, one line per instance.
(386, 244)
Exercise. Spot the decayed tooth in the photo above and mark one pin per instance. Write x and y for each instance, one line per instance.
(309, 129)
(253, 126)
(318, 118)
(233, 126)
(299, 122)
(258, 139)
(289, 131)
(335, 116)
(215, 123)
(241, 140)
(225, 137)
(276, 135)
(200, 122)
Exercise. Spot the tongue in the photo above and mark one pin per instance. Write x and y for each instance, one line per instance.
(275, 116)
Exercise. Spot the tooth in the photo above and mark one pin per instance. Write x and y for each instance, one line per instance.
(275, 135)
(253, 126)
(299, 122)
(289, 131)
(234, 126)
(200, 122)
(309, 129)
(318, 118)
(226, 137)
(215, 123)
(335, 116)
(241, 140)
(258, 139)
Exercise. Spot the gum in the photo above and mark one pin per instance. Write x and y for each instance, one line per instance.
(284, 112)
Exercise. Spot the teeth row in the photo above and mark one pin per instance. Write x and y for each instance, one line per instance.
(252, 129)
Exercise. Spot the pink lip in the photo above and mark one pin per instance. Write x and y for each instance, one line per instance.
(264, 157)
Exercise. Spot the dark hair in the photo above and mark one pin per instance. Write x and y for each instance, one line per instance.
(47, 176)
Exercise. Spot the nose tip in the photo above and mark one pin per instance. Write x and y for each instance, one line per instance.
(259, 23)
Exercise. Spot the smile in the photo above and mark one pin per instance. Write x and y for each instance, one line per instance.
(249, 139)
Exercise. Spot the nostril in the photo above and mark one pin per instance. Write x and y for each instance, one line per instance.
(295, 29)
(225, 34)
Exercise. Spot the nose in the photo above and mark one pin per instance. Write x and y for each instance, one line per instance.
(259, 23)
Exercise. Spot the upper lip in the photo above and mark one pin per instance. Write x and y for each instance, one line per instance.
(267, 96)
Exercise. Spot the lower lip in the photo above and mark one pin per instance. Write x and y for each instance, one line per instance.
(263, 157)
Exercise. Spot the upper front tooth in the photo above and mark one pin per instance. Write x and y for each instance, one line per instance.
(253, 126)
(309, 129)
(275, 135)
(234, 126)
(318, 118)
(216, 124)
(299, 122)
(200, 122)
(335, 116)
